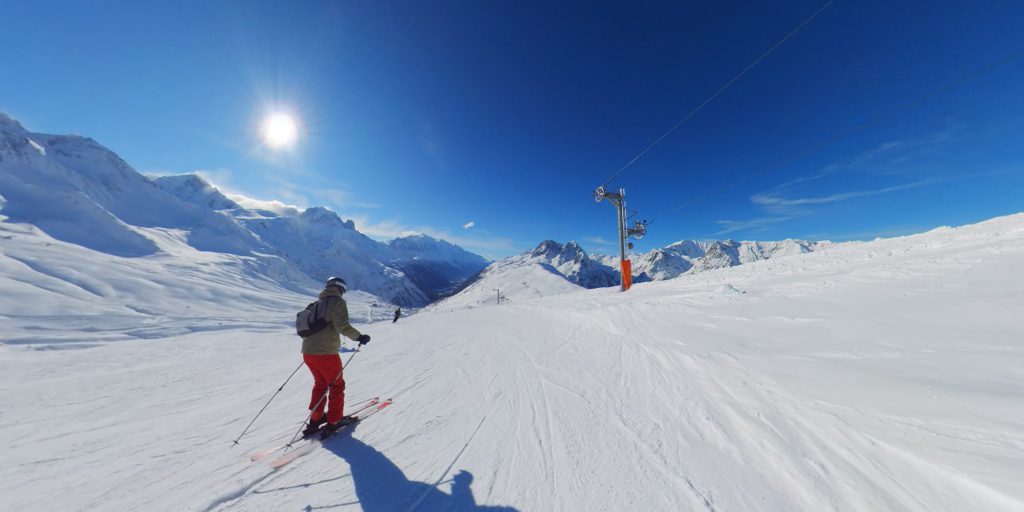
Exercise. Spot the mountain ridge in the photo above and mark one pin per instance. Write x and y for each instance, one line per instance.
(571, 263)
(78, 191)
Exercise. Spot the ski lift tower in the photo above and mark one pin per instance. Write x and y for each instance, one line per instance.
(639, 229)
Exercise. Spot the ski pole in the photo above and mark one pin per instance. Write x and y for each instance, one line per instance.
(233, 443)
(322, 397)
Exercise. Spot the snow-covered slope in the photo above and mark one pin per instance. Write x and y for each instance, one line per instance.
(193, 189)
(514, 281)
(77, 191)
(49, 288)
(549, 269)
(879, 376)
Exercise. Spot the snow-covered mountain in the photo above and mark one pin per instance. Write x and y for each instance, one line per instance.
(80, 192)
(193, 189)
(693, 256)
(570, 261)
(319, 243)
(435, 265)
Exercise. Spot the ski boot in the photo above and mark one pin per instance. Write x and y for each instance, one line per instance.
(329, 429)
(313, 427)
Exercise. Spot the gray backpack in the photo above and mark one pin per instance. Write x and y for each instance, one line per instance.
(313, 319)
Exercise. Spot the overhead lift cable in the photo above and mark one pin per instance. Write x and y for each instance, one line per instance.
(718, 92)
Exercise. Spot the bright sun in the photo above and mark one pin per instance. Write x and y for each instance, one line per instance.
(280, 131)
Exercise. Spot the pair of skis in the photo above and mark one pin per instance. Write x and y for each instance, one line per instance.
(364, 410)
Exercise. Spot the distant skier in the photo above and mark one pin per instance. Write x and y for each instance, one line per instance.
(398, 314)
(328, 317)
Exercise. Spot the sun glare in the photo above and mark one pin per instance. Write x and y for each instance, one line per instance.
(280, 131)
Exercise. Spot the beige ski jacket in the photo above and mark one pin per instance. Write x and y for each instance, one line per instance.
(328, 340)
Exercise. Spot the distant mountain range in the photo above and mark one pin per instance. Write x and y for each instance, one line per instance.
(693, 256)
(78, 191)
(553, 268)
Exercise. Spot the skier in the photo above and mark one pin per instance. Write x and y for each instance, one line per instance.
(398, 314)
(320, 353)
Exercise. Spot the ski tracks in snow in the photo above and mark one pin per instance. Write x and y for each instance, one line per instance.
(450, 466)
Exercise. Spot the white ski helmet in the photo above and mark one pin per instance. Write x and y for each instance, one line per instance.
(338, 283)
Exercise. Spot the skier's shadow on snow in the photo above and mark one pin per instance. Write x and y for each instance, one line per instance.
(382, 486)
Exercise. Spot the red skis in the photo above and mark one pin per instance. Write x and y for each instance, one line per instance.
(289, 457)
(363, 406)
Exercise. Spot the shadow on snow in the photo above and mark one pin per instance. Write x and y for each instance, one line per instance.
(381, 486)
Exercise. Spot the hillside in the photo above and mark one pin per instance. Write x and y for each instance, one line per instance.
(79, 192)
(865, 376)
(516, 282)
(59, 296)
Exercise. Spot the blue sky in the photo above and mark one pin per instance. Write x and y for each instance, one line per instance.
(875, 119)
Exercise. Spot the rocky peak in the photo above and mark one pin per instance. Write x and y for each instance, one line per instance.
(547, 248)
(320, 215)
(555, 252)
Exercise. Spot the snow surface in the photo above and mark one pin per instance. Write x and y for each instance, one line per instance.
(515, 282)
(866, 376)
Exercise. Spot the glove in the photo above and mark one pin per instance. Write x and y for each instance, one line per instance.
(363, 339)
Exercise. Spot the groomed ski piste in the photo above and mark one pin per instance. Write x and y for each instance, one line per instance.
(875, 376)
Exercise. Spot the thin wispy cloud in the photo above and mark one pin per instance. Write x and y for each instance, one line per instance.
(884, 158)
(221, 179)
(292, 201)
(887, 161)
(781, 209)
(768, 200)
(271, 206)
(382, 230)
(755, 224)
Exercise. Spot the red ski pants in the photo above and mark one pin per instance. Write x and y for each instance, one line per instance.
(325, 368)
